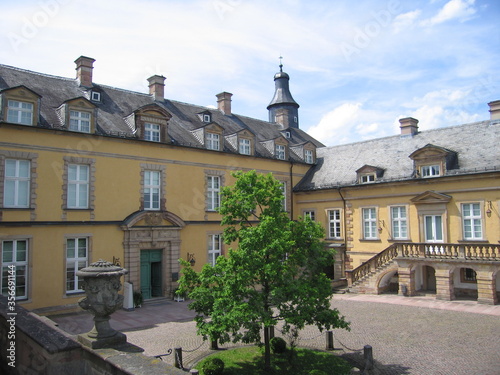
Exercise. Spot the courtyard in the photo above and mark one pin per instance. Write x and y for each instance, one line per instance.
(409, 335)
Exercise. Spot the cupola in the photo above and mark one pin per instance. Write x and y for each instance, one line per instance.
(283, 109)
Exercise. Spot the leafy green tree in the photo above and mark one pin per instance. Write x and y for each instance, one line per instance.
(275, 274)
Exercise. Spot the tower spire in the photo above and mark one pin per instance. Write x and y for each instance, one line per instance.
(283, 109)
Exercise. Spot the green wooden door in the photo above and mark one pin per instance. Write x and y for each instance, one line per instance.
(151, 273)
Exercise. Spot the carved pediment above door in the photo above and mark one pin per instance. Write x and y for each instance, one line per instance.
(431, 197)
(153, 218)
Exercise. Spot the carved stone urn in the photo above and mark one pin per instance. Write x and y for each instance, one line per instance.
(101, 282)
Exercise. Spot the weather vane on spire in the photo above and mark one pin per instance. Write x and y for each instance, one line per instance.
(281, 63)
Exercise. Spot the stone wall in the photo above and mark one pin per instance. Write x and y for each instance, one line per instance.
(33, 345)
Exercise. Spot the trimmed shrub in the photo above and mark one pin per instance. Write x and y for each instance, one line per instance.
(317, 372)
(213, 366)
(278, 345)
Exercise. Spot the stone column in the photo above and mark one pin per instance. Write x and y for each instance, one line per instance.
(406, 282)
(486, 288)
(444, 285)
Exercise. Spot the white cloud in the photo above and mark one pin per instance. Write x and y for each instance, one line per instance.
(405, 20)
(454, 9)
(336, 125)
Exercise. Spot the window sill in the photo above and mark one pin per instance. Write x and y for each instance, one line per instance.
(17, 209)
(473, 241)
(370, 240)
(78, 209)
(391, 240)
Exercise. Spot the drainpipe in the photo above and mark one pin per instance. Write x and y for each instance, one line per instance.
(344, 216)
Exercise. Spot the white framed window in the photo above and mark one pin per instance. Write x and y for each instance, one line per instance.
(214, 248)
(17, 183)
(399, 223)
(334, 223)
(78, 186)
(95, 96)
(369, 223)
(283, 190)
(19, 112)
(152, 132)
(472, 221)
(280, 152)
(308, 156)
(244, 146)
(79, 121)
(213, 141)
(15, 267)
(152, 190)
(76, 258)
(206, 118)
(430, 170)
(367, 178)
(213, 193)
(310, 214)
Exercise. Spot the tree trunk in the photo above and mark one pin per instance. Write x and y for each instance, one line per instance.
(267, 350)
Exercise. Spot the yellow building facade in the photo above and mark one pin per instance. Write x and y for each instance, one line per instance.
(75, 190)
(91, 172)
(413, 213)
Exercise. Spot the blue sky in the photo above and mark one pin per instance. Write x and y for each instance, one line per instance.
(355, 67)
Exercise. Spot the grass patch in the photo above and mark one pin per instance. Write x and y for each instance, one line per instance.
(250, 361)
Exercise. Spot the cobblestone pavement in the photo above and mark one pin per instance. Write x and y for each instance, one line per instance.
(417, 335)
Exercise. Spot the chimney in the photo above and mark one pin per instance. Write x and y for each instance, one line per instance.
(157, 87)
(409, 126)
(494, 110)
(84, 66)
(224, 102)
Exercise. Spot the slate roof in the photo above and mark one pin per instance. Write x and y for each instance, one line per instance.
(476, 146)
(116, 104)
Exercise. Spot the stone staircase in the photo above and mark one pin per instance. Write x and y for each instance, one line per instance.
(368, 284)
(365, 278)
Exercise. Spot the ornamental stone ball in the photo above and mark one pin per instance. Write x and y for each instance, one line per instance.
(101, 282)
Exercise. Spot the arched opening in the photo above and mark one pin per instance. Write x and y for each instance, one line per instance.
(425, 279)
(389, 283)
(465, 284)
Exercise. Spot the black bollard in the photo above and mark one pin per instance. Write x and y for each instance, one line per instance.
(178, 358)
(368, 355)
(329, 340)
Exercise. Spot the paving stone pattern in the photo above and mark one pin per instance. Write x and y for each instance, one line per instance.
(417, 335)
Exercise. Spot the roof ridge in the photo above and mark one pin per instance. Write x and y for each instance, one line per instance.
(485, 122)
(37, 73)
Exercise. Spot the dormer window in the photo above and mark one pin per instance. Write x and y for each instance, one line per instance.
(20, 112)
(78, 115)
(152, 132)
(430, 170)
(206, 118)
(366, 178)
(213, 141)
(95, 96)
(368, 174)
(288, 134)
(20, 105)
(150, 123)
(79, 121)
(280, 152)
(309, 156)
(244, 146)
(433, 161)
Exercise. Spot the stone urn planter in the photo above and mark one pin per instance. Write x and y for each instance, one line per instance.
(101, 282)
